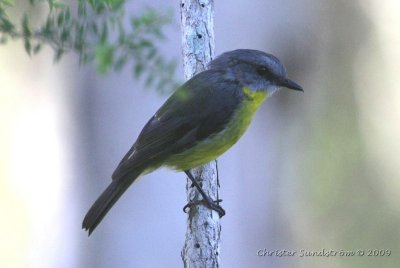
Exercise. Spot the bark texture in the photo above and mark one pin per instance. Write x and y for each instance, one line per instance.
(201, 247)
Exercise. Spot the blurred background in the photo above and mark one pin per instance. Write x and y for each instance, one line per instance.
(318, 170)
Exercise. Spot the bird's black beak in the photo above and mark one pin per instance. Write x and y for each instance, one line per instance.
(290, 84)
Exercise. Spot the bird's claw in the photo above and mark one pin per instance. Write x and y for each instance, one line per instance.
(211, 204)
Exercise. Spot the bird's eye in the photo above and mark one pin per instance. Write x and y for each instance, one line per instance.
(262, 71)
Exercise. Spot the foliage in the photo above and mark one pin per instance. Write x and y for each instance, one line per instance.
(96, 31)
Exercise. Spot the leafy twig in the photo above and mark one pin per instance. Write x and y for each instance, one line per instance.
(95, 30)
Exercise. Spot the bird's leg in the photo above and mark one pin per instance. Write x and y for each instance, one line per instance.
(214, 205)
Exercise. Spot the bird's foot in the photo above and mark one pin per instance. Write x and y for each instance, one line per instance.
(208, 202)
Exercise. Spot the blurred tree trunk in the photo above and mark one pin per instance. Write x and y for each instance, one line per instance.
(201, 247)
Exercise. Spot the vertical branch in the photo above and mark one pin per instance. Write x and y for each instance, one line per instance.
(201, 247)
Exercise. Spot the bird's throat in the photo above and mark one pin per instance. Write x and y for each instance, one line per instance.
(254, 98)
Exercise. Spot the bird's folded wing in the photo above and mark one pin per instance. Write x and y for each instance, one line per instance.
(195, 111)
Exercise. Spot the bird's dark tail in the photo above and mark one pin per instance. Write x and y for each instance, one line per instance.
(106, 200)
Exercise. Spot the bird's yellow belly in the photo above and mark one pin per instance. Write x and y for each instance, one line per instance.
(215, 145)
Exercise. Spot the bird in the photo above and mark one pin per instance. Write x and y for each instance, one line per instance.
(201, 120)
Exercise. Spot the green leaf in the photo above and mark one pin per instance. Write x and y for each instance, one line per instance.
(149, 80)
(149, 17)
(89, 33)
(67, 15)
(47, 29)
(59, 54)
(115, 4)
(82, 8)
(37, 48)
(60, 19)
(138, 70)
(145, 43)
(104, 33)
(79, 39)
(98, 6)
(6, 25)
(64, 35)
(79, 34)
(56, 4)
(8, 2)
(27, 46)
(104, 57)
(25, 26)
(59, 5)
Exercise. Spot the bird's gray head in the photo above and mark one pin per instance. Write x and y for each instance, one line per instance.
(255, 69)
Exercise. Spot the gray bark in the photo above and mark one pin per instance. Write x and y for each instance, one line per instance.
(201, 247)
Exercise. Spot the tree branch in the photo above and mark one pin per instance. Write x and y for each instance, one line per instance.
(201, 247)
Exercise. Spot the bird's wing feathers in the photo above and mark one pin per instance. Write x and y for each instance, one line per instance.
(196, 110)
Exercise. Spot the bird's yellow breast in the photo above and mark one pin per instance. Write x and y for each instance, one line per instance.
(215, 145)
